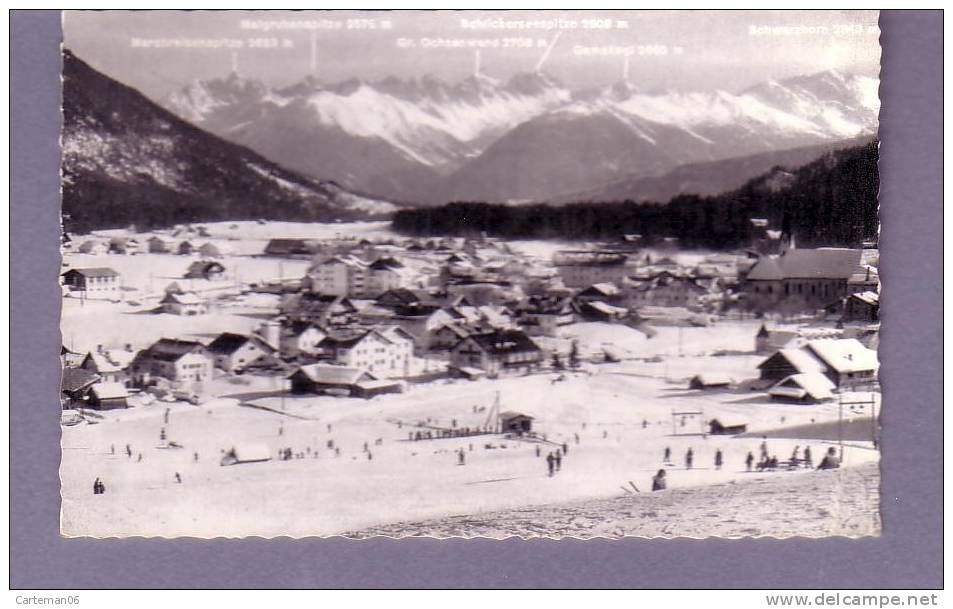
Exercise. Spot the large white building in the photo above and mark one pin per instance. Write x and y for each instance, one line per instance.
(351, 276)
(384, 352)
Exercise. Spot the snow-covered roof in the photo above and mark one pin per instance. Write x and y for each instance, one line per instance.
(800, 360)
(184, 298)
(822, 263)
(107, 391)
(93, 272)
(607, 309)
(112, 360)
(335, 375)
(812, 384)
(845, 354)
(871, 298)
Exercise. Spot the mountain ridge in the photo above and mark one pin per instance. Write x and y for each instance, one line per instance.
(126, 160)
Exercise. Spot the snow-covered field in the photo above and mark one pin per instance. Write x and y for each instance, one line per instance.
(325, 494)
(818, 504)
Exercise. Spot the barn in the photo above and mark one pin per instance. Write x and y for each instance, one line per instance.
(516, 422)
(108, 396)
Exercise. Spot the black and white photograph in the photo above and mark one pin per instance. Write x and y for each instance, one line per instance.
(470, 274)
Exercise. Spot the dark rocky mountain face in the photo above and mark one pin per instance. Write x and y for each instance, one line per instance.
(128, 161)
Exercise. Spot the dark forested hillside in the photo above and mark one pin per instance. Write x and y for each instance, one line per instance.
(832, 201)
(128, 161)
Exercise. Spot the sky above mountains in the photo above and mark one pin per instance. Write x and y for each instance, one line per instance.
(159, 52)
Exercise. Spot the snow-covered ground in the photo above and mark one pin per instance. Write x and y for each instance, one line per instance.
(404, 480)
(818, 504)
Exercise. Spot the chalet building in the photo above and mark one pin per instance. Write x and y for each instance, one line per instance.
(100, 282)
(810, 387)
(384, 352)
(293, 339)
(159, 245)
(122, 245)
(341, 381)
(70, 358)
(205, 269)
(862, 307)
(666, 289)
(602, 292)
(75, 385)
(322, 309)
(235, 352)
(800, 280)
(108, 396)
(496, 353)
(183, 303)
(292, 248)
(846, 361)
(173, 360)
(787, 362)
(580, 269)
(597, 310)
(447, 335)
(185, 248)
(515, 422)
(544, 315)
(212, 250)
(398, 298)
(112, 365)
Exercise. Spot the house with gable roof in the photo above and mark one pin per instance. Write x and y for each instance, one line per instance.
(497, 352)
(173, 360)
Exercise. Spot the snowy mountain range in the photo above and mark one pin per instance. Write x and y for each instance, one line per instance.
(126, 160)
(529, 138)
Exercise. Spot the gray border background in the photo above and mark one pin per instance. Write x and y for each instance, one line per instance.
(908, 555)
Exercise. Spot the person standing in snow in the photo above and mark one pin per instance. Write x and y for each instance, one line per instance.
(550, 463)
(668, 455)
(749, 460)
(178, 478)
(808, 461)
(559, 461)
(830, 460)
(689, 457)
(658, 481)
(718, 459)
